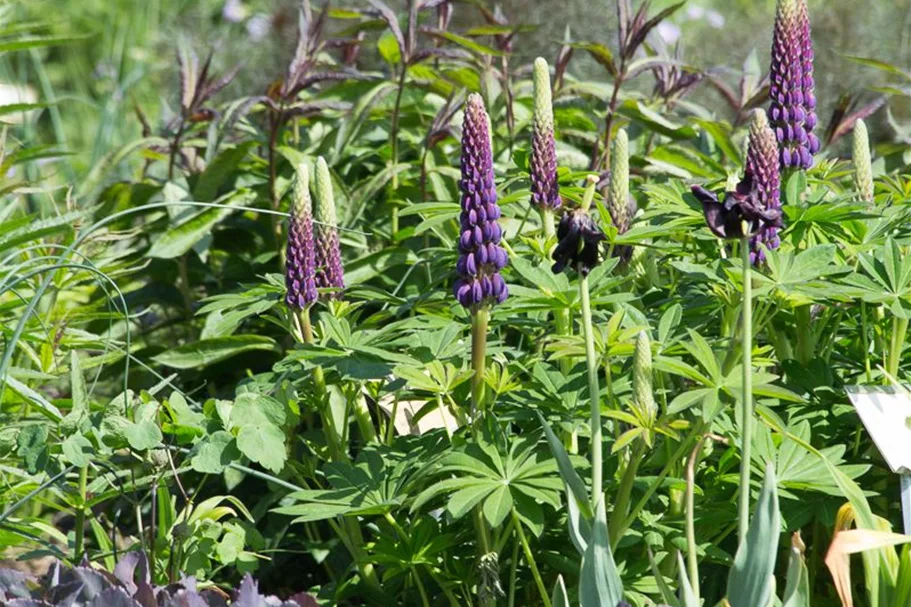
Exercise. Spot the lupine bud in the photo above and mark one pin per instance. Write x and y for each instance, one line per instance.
(763, 174)
(618, 195)
(863, 165)
(329, 271)
(642, 379)
(545, 192)
(793, 109)
(300, 272)
(481, 256)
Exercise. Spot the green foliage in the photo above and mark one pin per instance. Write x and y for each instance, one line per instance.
(156, 394)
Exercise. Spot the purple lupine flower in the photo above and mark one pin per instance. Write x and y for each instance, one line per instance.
(330, 275)
(545, 192)
(763, 176)
(793, 109)
(753, 209)
(300, 267)
(481, 256)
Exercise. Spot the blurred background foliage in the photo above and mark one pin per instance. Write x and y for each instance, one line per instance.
(128, 47)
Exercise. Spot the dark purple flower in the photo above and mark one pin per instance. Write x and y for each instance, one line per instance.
(579, 243)
(741, 214)
(793, 109)
(763, 172)
(300, 268)
(330, 275)
(545, 192)
(481, 256)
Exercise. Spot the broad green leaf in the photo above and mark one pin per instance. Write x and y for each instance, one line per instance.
(559, 597)
(797, 591)
(77, 450)
(209, 351)
(251, 409)
(143, 435)
(32, 446)
(264, 444)
(219, 171)
(567, 472)
(214, 453)
(181, 238)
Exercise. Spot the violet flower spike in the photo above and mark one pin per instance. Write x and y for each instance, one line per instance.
(480, 255)
(763, 173)
(793, 109)
(300, 267)
(542, 164)
(330, 274)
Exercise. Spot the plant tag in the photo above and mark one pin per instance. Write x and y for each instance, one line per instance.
(886, 414)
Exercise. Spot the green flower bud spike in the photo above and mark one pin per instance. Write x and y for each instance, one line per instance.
(644, 399)
(863, 164)
(618, 199)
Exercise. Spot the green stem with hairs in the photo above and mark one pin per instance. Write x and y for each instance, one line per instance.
(692, 557)
(746, 401)
(530, 558)
(479, 322)
(594, 390)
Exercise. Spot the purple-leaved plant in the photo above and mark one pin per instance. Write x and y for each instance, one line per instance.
(480, 255)
(793, 109)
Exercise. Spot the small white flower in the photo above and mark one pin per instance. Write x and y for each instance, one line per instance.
(233, 11)
(258, 26)
(669, 32)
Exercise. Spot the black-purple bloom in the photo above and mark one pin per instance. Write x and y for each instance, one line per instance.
(300, 267)
(481, 256)
(793, 109)
(579, 243)
(741, 214)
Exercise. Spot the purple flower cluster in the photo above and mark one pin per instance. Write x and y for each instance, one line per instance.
(793, 109)
(330, 274)
(545, 191)
(300, 268)
(764, 177)
(481, 256)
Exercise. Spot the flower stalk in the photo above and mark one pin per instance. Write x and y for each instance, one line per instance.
(863, 163)
(594, 390)
(746, 401)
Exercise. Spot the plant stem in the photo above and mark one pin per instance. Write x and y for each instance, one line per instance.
(79, 540)
(511, 601)
(479, 322)
(746, 336)
(621, 504)
(692, 560)
(394, 137)
(899, 330)
(594, 391)
(805, 345)
(531, 560)
(866, 342)
(549, 223)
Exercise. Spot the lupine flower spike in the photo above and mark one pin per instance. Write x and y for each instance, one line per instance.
(863, 165)
(300, 273)
(545, 192)
(763, 174)
(753, 207)
(330, 274)
(793, 109)
(644, 398)
(481, 256)
(618, 198)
